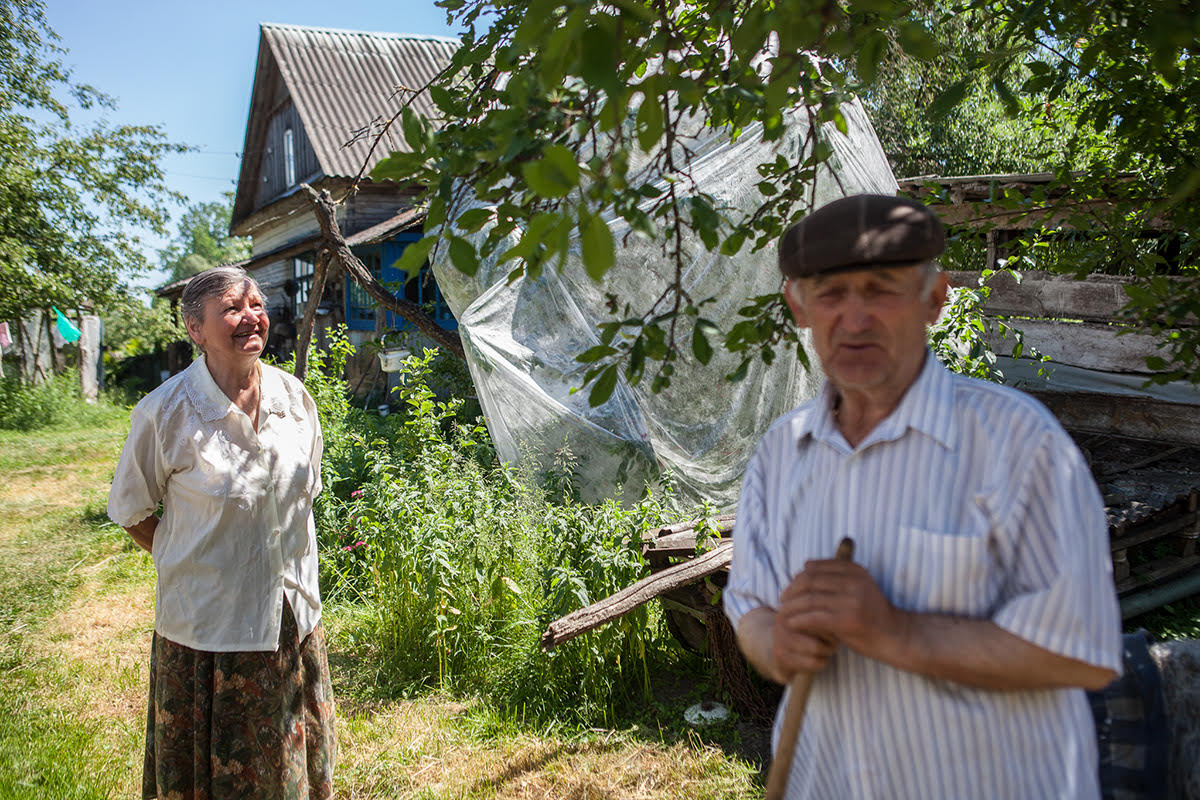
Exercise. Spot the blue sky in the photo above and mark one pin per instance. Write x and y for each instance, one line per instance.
(188, 66)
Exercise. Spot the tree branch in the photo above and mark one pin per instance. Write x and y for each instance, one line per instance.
(316, 291)
(331, 233)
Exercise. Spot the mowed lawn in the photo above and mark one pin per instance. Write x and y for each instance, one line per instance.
(76, 615)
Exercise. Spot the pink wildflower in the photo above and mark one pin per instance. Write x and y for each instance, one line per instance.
(355, 546)
(357, 493)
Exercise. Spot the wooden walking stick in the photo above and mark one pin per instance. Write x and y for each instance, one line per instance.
(793, 715)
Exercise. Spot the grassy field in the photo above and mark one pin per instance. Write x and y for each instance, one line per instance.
(76, 615)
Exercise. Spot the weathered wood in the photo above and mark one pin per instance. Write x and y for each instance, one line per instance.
(1085, 344)
(1141, 418)
(722, 522)
(1157, 571)
(1096, 298)
(304, 335)
(326, 213)
(1158, 531)
(585, 619)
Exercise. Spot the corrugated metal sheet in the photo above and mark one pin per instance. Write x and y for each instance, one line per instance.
(344, 81)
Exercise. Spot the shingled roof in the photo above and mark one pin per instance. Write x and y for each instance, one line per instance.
(340, 82)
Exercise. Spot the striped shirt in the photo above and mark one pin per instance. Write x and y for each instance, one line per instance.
(969, 499)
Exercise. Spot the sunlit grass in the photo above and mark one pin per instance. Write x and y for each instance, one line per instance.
(75, 621)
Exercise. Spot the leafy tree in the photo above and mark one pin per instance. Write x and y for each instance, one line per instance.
(1121, 79)
(72, 197)
(203, 240)
(909, 103)
(556, 111)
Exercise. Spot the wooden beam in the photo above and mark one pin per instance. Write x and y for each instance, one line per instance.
(1122, 415)
(585, 619)
(1084, 344)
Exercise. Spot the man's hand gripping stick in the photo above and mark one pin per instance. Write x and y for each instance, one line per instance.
(781, 765)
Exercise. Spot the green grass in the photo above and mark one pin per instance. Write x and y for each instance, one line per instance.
(72, 689)
(51, 523)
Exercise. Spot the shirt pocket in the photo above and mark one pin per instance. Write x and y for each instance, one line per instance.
(943, 573)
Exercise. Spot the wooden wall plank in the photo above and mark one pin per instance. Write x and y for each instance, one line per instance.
(1099, 298)
(1128, 416)
(1084, 344)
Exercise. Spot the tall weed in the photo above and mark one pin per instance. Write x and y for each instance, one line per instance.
(456, 564)
(55, 402)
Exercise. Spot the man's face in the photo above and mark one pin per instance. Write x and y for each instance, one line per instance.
(868, 326)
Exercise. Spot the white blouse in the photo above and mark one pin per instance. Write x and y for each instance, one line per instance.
(237, 532)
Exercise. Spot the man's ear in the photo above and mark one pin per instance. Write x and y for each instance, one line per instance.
(791, 293)
(938, 294)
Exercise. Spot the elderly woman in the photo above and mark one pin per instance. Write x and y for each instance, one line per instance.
(240, 699)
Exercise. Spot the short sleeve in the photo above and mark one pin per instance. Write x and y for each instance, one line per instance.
(141, 477)
(1060, 592)
(751, 582)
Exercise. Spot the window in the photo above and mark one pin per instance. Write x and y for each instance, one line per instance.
(289, 157)
(421, 289)
(302, 274)
(360, 306)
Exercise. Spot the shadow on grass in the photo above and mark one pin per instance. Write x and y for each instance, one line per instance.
(674, 687)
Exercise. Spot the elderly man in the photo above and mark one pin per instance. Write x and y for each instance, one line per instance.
(952, 653)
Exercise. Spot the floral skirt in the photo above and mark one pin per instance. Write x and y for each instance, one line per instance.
(241, 725)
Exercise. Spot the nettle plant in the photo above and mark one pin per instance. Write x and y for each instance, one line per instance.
(454, 565)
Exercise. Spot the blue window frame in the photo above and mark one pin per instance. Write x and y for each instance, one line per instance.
(360, 306)
(421, 289)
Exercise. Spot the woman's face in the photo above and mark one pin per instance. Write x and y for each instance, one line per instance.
(234, 326)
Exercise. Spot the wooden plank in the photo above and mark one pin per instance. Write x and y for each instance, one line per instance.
(1097, 298)
(1157, 572)
(1139, 417)
(1083, 344)
(585, 619)
(1142, 535)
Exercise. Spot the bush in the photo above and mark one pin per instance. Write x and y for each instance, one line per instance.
(454, 565)
(55, 402)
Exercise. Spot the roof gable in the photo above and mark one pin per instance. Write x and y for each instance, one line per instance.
(339, 82)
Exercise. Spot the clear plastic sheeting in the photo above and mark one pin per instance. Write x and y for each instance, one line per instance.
(521, 339)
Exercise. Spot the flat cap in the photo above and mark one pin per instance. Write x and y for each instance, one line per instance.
(860, 232)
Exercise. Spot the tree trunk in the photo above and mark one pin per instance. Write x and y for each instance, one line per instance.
(304, 335)
(336, 243)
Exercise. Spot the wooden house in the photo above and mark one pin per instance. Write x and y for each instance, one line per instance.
(319, 99)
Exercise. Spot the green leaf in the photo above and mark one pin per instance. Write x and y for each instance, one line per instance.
(944, 103)
(733, 244)
(593, 354)
(599, 49)
(700, 346)
(870, 55)
(463, 255)
(1011, 104)
(473, 219)
(414, 129)
(596, 243)
(918, 42)
(603, 388)
(649, 122)
(415, 254)
(554, 175)
(400, 167)
(739, 374)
